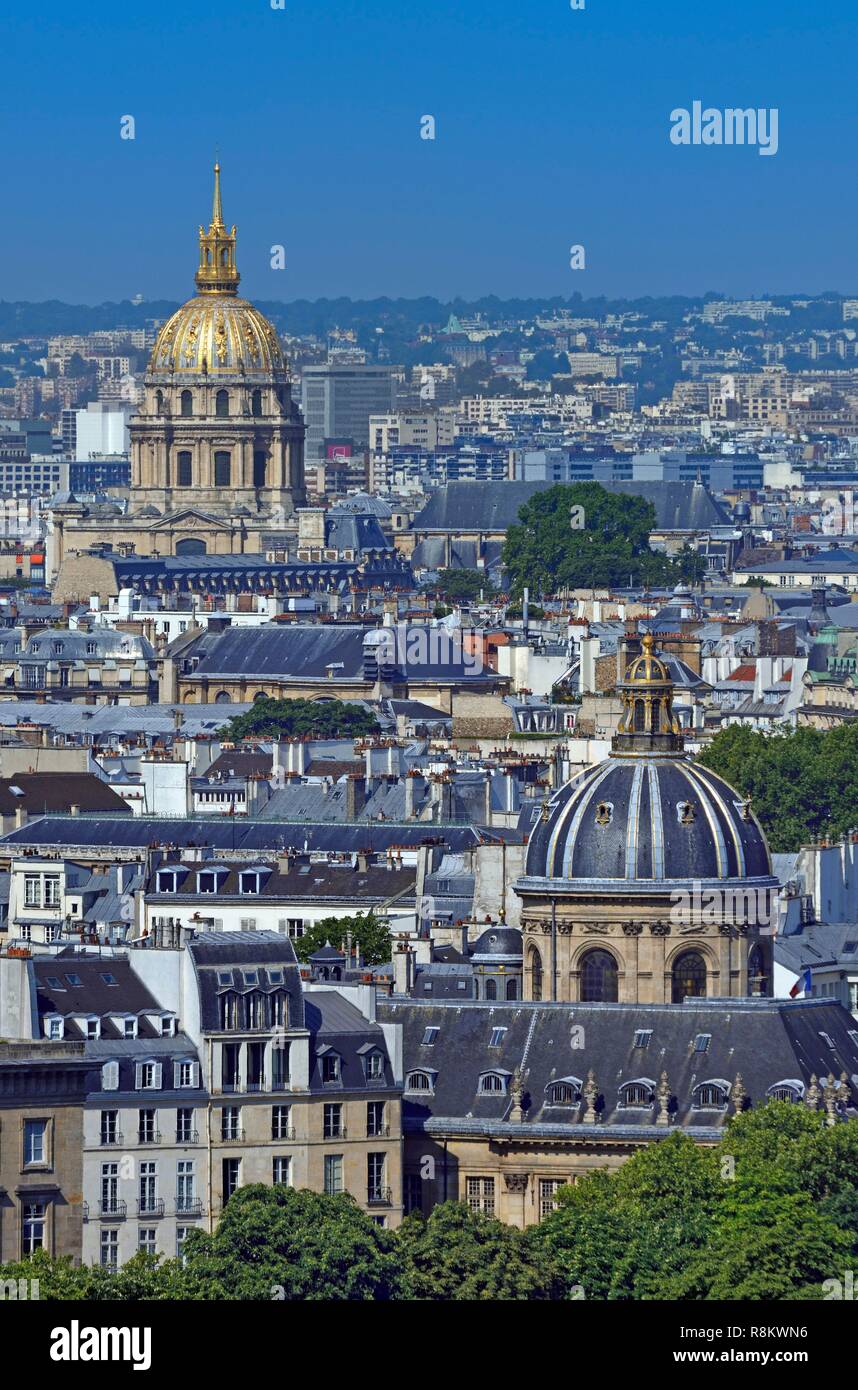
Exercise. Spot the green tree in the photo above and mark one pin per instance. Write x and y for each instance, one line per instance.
(271, 718)
(803, 783)
(370, 933)
(284, 1244)
(456, 1254)
(458, 584)
(609, 547)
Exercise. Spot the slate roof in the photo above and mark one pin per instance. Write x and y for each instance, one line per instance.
(767, 1041)
(337, 1026)
(216, 954)
(471, 506)
(303, 880)
(58, 791)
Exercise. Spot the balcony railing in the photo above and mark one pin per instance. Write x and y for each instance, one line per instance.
(378, 1197)
(233, 1136)
(189, 1206)
(285, 1135)
(111, 1136)
(150, 1206)
(187, 1136)
(335, 1132)
(148, 1136)
(378, 1131)
(112, 1209)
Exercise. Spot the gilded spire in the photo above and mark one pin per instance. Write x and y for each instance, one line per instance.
(217, 208)
(217, 273)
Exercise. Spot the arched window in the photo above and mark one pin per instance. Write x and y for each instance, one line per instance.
(710, 1095)
(757, 978)
(256, 403)
(637, 1094)
(656, 717)
(260, 467)
(230, 1011)
(222, 469)
(790, 1091)
(599, 978)
(183, 468)
(222, 405)
(512, 988)
(491, 989)
(491, 1084)
(159, 402)
(260, 695)
(223, 697)
(224, 257)
(190, 545)
(688, 977)
(186, 405)
(535, 967)
(418, 1081)
(567, 1091)
(640, 716)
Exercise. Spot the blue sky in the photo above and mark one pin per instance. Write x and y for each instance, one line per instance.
(552, 130)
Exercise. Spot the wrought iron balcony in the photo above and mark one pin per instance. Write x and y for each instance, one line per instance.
(150, 1206)
(378, 1197)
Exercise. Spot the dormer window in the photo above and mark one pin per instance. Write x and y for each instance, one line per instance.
(93, 1028)
(208, 880)
(54, 1027)
(566, 1091)
(420, 1082)
(710, 1095)
(374, 1064)
(129, 1027)
(331, 1068)
(789, 1091)
(91, 648)
(492, 1083)
(249, 882)
(168, 1025)
(637, 1095)
(167, 880)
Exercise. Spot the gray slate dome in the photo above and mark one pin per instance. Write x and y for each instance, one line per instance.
(496, 942)
(652, 819)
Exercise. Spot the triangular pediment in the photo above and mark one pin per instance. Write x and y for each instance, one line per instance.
(187, 516)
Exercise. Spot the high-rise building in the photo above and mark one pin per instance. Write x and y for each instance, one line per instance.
(338, 400)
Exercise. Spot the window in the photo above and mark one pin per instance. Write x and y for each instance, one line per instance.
(222, 468)
(280, 1117)
(333, 1122)
(230, 1122)
(689, 977)
(376, 1190)
(491, 990)
(281, 1169)
(181, 1237)
(148, 1188)
(185, 1195)
(248, 883)
(110, 1189)
(231, 1175)
(429, 1037)
(147, 1240)
(548, 1190)
(702, 1041)
(32, 890)
(183, 468)
(710, 1095)
(185, 1133)
(146, 1130)
(109, 979)
(512, 988)
(790, 1091)
(330, 1067)
(110, 1076)
(148, 1076)
(419, 1081)
(599, 978)
(110, 1127)
(375, 1122)
(636, 1094)
(33, 1227)
(535, 968)
(565, 1092)
(35, 1142)
(497, 1037)
(491, 1083)
(480, 1193)
(166, 881)
(642, 1037)
(412, 1192)
(186, 404)
(55, 1028)
(186, 1074)
(333, 1174)
(256, 403)
(109, 1248)
(375, 1066)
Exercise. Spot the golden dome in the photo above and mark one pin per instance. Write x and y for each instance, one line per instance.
(217, 332)
(647, 669)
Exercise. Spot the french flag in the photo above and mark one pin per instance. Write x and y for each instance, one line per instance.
(802, 985)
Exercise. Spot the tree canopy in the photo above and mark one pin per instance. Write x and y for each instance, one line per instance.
(609, 545)
(803, 783)
(459, 584)
(271, 718)
(369, 932)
